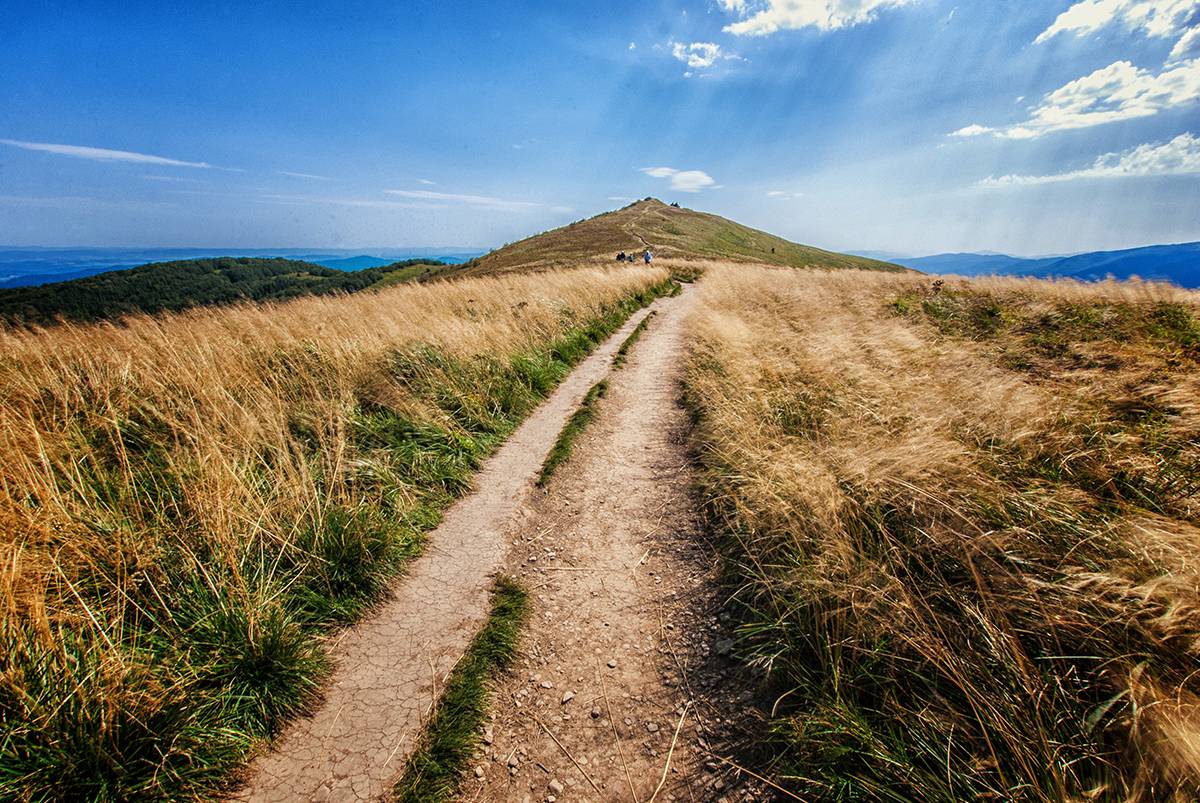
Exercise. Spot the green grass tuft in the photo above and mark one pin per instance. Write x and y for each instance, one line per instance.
(435, 770)
(623, 352)
(571, 431)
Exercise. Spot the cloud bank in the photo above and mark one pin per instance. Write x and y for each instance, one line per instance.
(1179, 157)
(1119, 91)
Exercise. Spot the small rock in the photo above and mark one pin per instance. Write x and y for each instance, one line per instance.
(555, 787)
(568, 697)
(596, 713)
(545, 684)
(479, 772)
(513, 761)
(612, 664)
(652, 727)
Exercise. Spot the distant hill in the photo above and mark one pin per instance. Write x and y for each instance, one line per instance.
(24, 266)
(1174, 263)
(164, 286)
(668, 231)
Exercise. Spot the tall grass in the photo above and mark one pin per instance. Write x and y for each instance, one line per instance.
(964, 524)
(190, 502)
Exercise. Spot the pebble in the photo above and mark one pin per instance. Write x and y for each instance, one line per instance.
(479, 772)
(513, 761)
(652, 727)
(545, 684)
(612, 664)
(596, 713)
(568, 697)
(555, 787)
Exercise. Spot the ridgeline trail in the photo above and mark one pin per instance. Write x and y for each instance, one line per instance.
(619, 583)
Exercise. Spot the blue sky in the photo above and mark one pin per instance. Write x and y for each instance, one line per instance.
(912, 126)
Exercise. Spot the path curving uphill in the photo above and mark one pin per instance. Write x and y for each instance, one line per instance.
(390, 669)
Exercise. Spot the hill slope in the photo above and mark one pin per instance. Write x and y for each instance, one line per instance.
(190, 283)
(668, 231)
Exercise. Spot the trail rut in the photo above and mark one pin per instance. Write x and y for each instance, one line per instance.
(624, 690)
(390, 669)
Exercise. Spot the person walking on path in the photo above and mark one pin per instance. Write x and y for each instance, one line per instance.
(647, 256)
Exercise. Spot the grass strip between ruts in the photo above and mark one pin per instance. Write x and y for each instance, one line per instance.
(436, 768)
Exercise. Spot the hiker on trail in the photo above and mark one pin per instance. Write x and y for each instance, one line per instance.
(621, 257)
(647, 256)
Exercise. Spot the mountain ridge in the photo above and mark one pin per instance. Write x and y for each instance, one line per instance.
(1178, 263)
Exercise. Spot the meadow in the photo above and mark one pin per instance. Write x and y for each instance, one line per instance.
(193, 503)
(961, 520)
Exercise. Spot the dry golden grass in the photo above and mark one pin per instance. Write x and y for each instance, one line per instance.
(189, 500)
(965, 521)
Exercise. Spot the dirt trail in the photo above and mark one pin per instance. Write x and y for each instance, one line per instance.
(390, 669)
(626, 642)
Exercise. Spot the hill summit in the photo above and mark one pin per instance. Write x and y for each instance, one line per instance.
(668, 231)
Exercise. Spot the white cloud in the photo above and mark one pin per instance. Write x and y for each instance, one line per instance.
(304, 175)
(697, 55)
(784, 196)
(1119, 91)
(633, 45)
(470, 200)
(682, 180)
(103, 154)
(1153, 17)
(619, 198)
(1188, 45)
(972, 131)
(1179, 157)
(426, 182)
(769, 16)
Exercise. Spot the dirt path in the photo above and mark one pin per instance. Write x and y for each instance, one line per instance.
(625, 644)
(390, 669)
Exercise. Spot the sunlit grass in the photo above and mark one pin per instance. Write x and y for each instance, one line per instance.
(963, 524)
(190, 502)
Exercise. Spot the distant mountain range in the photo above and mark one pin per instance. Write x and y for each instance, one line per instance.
(26, 266)
(1179, 264)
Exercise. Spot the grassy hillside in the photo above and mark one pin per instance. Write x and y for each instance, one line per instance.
(669, 231)
(963, 523)
(173, 286)
(189, 503)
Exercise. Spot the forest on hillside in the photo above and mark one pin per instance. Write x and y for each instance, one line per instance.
(173, 286)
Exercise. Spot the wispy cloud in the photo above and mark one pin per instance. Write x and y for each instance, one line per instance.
(1179, 157)
(426, 182)
(106, 154)
(459, 198)
(682, 180)
(1119, 91)
(172, 179)
(770, 16)
(312, 176)
(370, 203)
(784, 196)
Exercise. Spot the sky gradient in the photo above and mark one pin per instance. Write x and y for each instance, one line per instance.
(909, 126)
